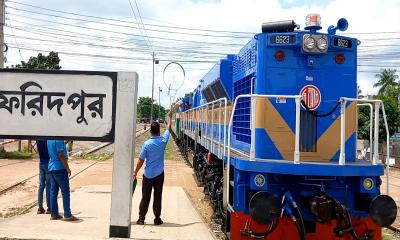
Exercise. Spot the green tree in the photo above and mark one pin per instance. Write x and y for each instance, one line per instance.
(363, 122)
(392, 115)
(388, 93)
(159, 111)
(144, 109)
(359, 92)
(387, 81)
(51, 61)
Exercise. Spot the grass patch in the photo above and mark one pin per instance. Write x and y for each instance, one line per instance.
(97, 156)
(16, 155)
(389, 235)
(139, 142)
(169, 149)
(12, 212)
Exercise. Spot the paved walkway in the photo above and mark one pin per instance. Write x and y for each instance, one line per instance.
(92, 205)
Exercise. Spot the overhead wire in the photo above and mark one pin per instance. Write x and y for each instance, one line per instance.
(143, 27)
(53, 32)
(117, 32)
(91, 43)
(204, 44)
(115, 57)
(125, 21)
(140, 29)
(16, 42)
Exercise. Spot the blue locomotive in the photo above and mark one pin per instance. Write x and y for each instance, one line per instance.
(272, 133)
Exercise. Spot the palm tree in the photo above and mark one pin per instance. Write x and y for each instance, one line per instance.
(387, 80)
(359, 92)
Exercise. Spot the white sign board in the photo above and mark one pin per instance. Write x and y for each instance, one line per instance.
(57, 104)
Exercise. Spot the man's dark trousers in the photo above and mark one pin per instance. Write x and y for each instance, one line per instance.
(147, 185)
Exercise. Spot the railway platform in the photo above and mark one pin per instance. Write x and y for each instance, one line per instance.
(92, 205)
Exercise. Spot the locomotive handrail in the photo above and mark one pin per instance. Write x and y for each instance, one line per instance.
(223, 100)
(296, 157)
(371, 117)
(375, 159)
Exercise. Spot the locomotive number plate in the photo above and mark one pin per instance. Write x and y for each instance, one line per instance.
(341, 42)
(282, 39)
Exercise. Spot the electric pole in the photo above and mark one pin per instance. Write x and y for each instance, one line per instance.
(155, 61)
(159, 101)
(2, 23)
(152, 94)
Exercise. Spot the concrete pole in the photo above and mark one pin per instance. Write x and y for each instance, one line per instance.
(125, 129)
(2, 23)
(152, 93)
(159, 101)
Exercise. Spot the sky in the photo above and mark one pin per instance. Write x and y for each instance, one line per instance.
(171, 30)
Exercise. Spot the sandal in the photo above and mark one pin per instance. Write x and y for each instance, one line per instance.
(70, 219)
(158, 221)
(56, 217)
(40, 211)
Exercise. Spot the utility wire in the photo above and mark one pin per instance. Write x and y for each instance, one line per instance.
(140, 29)
(130, 26)
(16, 43)
(168, 26)
(123, 21)
(140, 17)
(115, 57)
(91, 44)
(118, 32)
(35, 29)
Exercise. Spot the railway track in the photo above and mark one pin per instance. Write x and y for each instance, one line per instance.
(6, 189)
(9, 164)
(95, 149)
(139, 132)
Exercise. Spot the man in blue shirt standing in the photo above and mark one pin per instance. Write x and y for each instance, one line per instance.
(60, 173)
(152, 154)
(44, 176)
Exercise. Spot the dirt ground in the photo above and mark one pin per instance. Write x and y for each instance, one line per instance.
(95, 170)
(92, 172)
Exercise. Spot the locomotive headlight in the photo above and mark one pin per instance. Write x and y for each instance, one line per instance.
(368, 183)
(309, 43)
(322, 44)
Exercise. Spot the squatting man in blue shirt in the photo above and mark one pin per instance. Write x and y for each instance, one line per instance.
(152, 154)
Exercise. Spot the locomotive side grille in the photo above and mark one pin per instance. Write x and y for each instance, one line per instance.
(207, 93)
(308, 132)
(241, 119)
(218, 90)
(214, 91)
(245, 62)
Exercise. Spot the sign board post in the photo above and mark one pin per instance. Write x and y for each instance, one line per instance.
(77, 105)
(121, 196)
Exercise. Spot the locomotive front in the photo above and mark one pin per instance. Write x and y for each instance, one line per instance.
(319, 190)
(273, 132)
